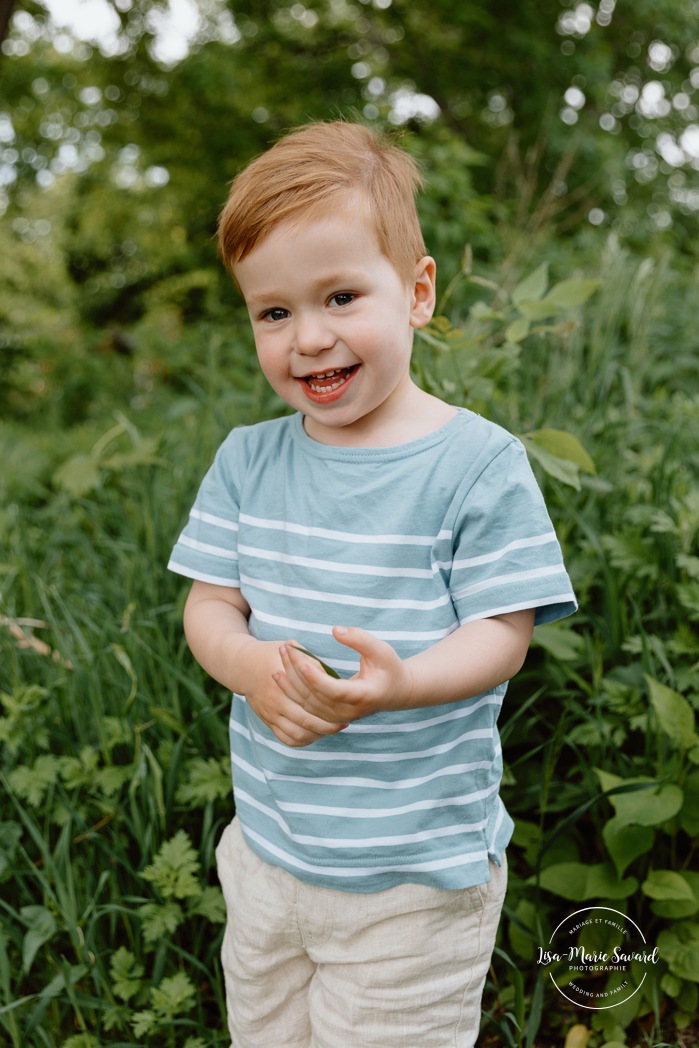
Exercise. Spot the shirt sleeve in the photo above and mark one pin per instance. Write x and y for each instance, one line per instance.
(207, 549)
(506, 556)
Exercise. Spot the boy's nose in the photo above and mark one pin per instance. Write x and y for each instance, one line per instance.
(312, 335)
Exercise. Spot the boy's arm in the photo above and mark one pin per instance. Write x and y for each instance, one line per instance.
(216, 627)
(474, 659)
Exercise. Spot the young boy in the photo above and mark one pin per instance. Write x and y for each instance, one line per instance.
(404, 542)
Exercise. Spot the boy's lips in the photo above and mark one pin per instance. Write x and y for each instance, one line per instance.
(326, 386)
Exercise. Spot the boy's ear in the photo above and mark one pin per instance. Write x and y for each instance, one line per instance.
(424, 292)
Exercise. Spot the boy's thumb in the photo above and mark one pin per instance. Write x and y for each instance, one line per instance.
(358, 639)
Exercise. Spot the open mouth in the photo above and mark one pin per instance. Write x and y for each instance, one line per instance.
(329, 381)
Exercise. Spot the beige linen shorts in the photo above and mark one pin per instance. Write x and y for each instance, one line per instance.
(309, 967)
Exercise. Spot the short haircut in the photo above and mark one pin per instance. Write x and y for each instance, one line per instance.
(311, 171)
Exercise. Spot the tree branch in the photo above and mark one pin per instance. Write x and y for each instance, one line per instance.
(6, 9)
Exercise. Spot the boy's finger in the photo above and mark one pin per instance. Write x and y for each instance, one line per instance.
(360, 640)
(305, 672)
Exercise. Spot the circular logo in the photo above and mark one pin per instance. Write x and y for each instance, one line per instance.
(597, 958)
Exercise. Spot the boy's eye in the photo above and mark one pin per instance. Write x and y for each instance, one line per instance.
(275, 314)
(342, 298)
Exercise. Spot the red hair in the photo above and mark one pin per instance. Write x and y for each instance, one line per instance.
(315, 168)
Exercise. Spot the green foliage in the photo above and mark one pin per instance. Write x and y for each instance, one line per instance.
(114, 760)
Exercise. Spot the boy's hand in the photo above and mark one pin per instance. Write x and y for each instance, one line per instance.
(291, 723)
(383, 682)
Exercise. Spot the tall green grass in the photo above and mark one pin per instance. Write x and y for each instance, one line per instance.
(115, 773)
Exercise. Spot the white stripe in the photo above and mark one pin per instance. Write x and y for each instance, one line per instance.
(358, 842)
(367, 783)
(308, 754)
(337, 566)
(509, 579)
(209, 518)
(352, 871)
(359, 727)
(487, 558)
(506, 609)
(430, 804)
(201, 576)
(205, 547)
(498, 824)
(320, 627)
(343, 536)
(345, 598)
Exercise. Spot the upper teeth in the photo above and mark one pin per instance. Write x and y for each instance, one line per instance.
(327, 374)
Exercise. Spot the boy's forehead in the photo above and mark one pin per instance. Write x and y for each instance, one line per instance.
(334, 248)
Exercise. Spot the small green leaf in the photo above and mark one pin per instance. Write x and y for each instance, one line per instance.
(566, 472)
(328, 669)
(679, 946)
(78, 475)
(206, 780)
(563, 445)
(10, 834)
(143, 1022)
(174, 869)
(560, 641)
(688, 906)
(668, 885)
(625, 843)
(517, 330)
(81, 1040)
(579, 881)
(571, 293)
(160, 919)
(126, 974)
(533, 287)
(41, 925)
(32, 783)
(210, 905)
(671, 984)
(174, 995)
(675, 715)
(536, 311)
(689, 815)
(641, 801)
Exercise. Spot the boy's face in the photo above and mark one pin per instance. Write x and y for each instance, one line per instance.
(333, 325)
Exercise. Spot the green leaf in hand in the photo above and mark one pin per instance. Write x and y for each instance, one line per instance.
(328, 669)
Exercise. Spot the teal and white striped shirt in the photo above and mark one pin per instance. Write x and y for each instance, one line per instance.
(408, 542)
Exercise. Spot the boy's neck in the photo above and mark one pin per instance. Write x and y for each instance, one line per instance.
(417, 415)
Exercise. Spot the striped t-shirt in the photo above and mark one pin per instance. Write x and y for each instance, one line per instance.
(408, 542)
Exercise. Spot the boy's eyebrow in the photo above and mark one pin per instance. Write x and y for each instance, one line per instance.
(339, 278)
